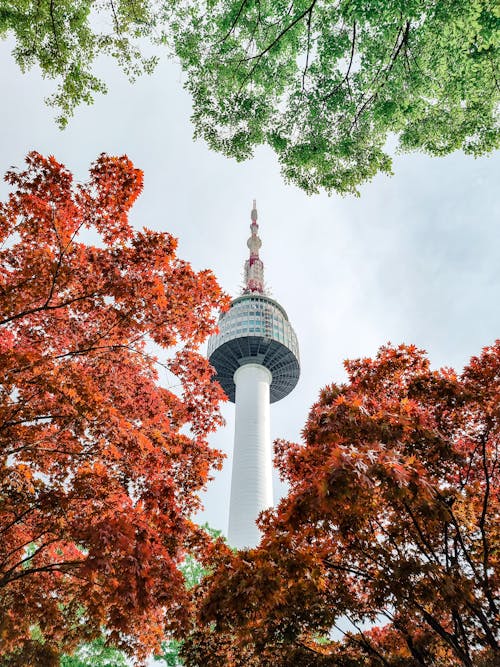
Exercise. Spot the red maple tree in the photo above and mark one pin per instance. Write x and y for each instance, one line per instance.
(391, 524)
(100, 465)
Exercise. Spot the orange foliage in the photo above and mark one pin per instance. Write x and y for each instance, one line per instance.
(99, 464)
(391, 521)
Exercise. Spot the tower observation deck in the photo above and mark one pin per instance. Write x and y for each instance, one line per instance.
(256, 359)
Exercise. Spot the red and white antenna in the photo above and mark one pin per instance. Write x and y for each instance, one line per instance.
(254, 267)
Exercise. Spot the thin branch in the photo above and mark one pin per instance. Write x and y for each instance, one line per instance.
(416, 653)
(7, 290)
(425, 542)
(309, 19)
(54, 29)
(469, 468)
(32, 539)
(461, 630)
(459, 537)
(19, 518)
(450, 639)
(260, 55)
(115, 18)
(351, 570)
(346, 76)
(490, 637)
(59, 262)
(395, 52)
(364, 642)
(233, 25)
(45, 568)
(32, 419)
(38, 309)
(5, 577)
(482, 522)
(296, 20)
(494, 71)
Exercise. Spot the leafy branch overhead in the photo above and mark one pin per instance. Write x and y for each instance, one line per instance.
(64, 38)
(325, 83)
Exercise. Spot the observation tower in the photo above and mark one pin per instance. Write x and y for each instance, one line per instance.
(256, 359)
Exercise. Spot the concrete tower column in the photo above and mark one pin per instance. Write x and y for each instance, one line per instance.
(251, 481)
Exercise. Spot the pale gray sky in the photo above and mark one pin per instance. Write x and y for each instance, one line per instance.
(415, 259)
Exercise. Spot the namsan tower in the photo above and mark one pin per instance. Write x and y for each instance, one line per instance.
(256, 359)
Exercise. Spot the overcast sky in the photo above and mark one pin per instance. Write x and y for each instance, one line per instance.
(415, 259)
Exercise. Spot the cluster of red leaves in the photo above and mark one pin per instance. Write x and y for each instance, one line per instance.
(99, 464)
(392, 521)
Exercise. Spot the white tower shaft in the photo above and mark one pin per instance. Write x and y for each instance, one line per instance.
(251, 482)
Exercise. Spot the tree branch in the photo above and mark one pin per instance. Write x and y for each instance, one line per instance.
(482, 523)
(260, 55)
(45, 568)
(395, 52)
(38, 309)
(54, 29)
(450, 639)
(234, 22)
(309, 19)
(346, 76)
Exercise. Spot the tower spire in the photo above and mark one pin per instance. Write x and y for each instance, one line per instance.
(254, 267)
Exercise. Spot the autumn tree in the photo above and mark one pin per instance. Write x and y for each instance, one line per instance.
(391, 525)
(100, 462)
(98, 653)
(193, 572)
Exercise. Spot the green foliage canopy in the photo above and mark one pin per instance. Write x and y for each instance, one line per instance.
(95, 654)
(64, 38)
(325, 83)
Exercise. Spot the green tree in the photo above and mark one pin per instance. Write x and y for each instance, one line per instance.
(193, 571)
(95, 654)
(326, 83)
(65, 37)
